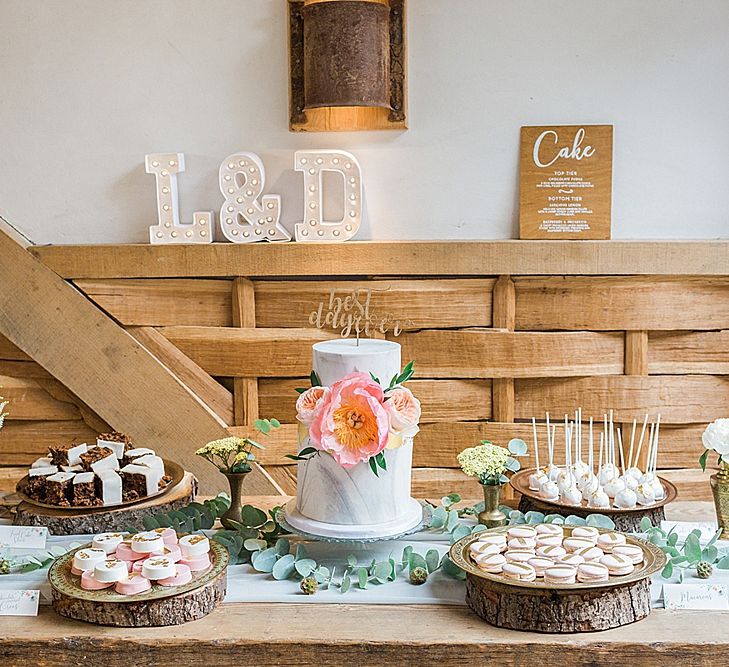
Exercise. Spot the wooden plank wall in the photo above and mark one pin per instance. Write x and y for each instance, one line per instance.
(491, 351)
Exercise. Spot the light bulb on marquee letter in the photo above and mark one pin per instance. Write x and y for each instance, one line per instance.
(242, 178)
(314, 227)
(165, 167)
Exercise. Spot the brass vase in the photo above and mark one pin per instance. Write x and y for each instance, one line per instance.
(492, 516)
(720, 489)
(235, 481)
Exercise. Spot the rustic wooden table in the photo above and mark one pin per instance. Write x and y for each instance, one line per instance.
(333, 634)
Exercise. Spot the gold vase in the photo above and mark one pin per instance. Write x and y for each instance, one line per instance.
(235, 480)
(720, 489)
(492, 516)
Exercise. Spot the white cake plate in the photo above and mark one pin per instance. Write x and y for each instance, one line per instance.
(326, 536)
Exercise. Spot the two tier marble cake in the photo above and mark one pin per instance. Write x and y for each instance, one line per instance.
(360, 425)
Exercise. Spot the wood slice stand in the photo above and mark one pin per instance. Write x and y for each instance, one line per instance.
(553, 611)
(175, 610)
(626, 522)
(64, 522)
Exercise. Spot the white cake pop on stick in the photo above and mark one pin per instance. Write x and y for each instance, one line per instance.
(658, 491)
(536, 479)
(551, 470)
(633, 471)
(565, 478)
(586, 479)
(625, 497)
(608, 470)
(598, 498)
(636, 463)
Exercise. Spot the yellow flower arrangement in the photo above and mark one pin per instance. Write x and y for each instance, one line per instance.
(233, 454)
(490, 462)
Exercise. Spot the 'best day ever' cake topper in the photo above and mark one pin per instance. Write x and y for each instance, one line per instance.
(352, 314)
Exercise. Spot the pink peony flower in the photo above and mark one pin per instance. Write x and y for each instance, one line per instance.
(404, 412)
(308, 404)
(351, 423)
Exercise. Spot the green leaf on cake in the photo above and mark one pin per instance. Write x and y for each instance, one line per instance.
(300, 390)
(373, 466)
(315, 381)
(374, 377)
(381, 461)
(703, 458)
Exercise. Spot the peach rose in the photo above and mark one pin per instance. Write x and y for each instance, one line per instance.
(404, 412)
(351, 423)
(308, 403)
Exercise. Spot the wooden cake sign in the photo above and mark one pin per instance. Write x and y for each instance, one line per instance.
(565, 182)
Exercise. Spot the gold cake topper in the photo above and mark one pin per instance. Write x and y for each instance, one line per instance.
(351, 313)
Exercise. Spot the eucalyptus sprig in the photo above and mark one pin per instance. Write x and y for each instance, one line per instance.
(256, 531)
(687, 556)
(189, 519)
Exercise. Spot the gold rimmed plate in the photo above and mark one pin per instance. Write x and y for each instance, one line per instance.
(654, 560)
(520, 482)
(172, 469)
(63, 580)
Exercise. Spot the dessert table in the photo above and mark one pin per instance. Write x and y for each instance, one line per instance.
(292, 633)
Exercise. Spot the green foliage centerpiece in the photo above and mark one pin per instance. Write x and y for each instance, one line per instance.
(490, 464)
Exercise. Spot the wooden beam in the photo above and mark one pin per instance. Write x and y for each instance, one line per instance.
(402, 258)
(504, 317)
(245, 389)
(105, 367)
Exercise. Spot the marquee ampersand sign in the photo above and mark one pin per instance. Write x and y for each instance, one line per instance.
(242, 177)
(165, 167)
(314, 227)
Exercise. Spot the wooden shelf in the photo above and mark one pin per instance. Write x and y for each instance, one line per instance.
(386, 258)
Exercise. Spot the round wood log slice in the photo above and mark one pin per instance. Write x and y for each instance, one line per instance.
(60, 522)
(558, 611)
(150, 613)
(626, 522)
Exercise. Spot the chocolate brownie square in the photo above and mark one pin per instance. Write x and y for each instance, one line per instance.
(99, 458)
(84, 490)
(66, 455)
(58, 489)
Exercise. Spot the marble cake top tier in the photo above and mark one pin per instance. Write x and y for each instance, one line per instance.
(335, 359)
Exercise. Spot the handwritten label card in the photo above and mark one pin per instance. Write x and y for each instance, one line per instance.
(565, 179)
(696, 596)
(19, 603)
(23, 537)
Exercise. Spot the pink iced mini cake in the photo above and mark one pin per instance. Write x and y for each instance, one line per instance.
(183, 575)
(125, 552)
(197, 564)
(133, 584)
(90, 583)
(172, 552)
(169, 536)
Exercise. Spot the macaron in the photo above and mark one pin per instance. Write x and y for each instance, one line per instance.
(590, 554)
(550, 529)
(632, 551)
(492, 563)
(551, 552)
(194, 546)
(617, 565)
(574, 560)
(528, 532)
(519, 572)
(608, 541)
(560, 575)
(586, 533)
(183, 575)
(575, 543)
(111, 571)
(134, 583)
(201, 562)
(108, 541)
(499, 539)
(158, 567)
(480, 548)
(169, 536)
(125, 552)
(521, 544)
(90, 583)
(540, 564)
(147, 542)
(589, 573)
(549, 540)
(518, 556)
(87, 559)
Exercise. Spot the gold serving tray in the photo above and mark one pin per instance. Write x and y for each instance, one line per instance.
(63, 580)
(520, 482)
(172, 469)
(653, 561)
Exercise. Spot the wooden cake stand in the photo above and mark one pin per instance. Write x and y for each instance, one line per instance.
(90, 520)
(161, 605)
(626, 520)
(540, 607)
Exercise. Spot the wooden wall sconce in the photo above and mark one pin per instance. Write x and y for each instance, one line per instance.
(347, 65)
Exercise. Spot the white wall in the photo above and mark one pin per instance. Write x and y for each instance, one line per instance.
(87, 87)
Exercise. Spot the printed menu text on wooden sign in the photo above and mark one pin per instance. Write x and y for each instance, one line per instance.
(566, 182)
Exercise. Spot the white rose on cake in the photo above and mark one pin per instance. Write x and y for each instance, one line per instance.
(716, 437)
(404, 411)
(309, 404)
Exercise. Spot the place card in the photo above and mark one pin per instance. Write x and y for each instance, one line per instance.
(23, 537)
(19, 603)
(565, 182)
(696, 596)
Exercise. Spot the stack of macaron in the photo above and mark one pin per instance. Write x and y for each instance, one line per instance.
(549, 553)
(132, 563)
